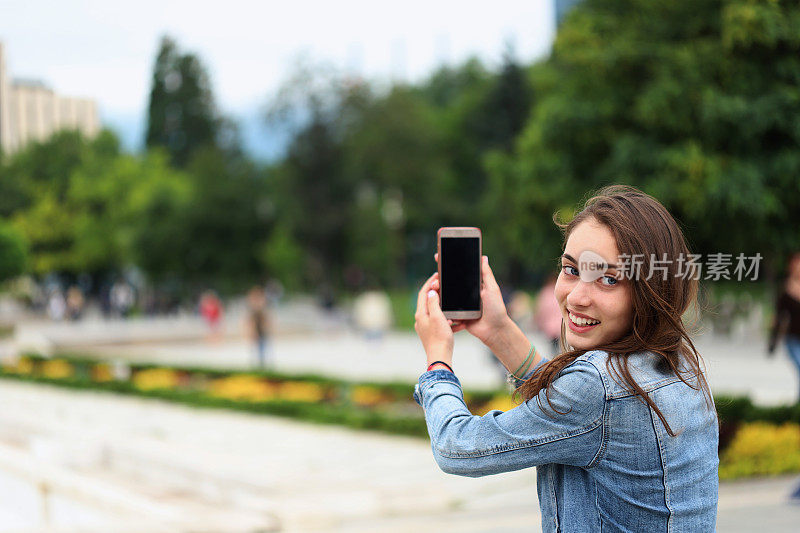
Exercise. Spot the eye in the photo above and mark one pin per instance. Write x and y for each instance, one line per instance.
(611, 281)
(566, 270)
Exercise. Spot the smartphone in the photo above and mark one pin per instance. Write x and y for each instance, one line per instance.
(460, 272)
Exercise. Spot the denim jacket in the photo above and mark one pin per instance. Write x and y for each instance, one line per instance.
(608, 463)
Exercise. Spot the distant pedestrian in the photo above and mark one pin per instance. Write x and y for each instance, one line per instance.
(258, 323)
(75, 303)
(548, 314)
(786, 323)
(372, 312)
(211, 311)
(56, 305)
(122, 299)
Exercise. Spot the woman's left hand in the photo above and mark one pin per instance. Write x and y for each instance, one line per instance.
(434, 330)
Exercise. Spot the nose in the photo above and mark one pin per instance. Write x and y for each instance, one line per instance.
(580, 295)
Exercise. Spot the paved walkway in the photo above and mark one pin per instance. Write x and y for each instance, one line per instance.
(189, 469)
(114, 460)
(273, 474)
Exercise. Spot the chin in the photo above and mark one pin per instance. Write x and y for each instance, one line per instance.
(580, 343)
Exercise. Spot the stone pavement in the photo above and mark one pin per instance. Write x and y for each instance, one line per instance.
(188, 469)
(147, 465)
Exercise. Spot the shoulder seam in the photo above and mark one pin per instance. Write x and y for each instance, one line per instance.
(661, 456)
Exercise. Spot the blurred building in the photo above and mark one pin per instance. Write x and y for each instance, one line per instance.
(31, 111)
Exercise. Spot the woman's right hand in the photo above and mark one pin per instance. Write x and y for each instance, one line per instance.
(494, 320)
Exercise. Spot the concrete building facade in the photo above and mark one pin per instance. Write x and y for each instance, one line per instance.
(31, 111)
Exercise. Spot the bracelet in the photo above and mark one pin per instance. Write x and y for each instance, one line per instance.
(440, 363)
(525, 364)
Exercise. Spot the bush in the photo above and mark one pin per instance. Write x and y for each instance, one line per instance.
(762, 449)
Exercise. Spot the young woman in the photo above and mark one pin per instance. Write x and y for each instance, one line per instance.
(621, 425)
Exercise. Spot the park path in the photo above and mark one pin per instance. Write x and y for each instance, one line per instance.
(173, 468)
(194, 469)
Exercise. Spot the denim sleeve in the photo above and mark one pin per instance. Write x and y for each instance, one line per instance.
(531, 434)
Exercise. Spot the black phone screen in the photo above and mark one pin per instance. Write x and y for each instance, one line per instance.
(461, 280)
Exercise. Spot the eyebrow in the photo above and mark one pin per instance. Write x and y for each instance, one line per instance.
(567, 256)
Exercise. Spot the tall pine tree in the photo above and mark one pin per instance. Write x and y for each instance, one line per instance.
(181, 115)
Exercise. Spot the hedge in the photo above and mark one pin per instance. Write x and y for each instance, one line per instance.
(754, 440)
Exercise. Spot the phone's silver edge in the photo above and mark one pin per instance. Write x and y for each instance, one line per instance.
(460, 232)
(462, 315)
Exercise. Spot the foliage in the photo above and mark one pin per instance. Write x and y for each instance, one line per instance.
(181, 112)
(762, 449)
(90, 216)
(690, 101)
(210, 236)
(13, 252)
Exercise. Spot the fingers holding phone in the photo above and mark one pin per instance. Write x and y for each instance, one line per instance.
(432, 327)
(455, 325)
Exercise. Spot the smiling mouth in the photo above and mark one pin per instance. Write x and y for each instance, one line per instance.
(582, 322)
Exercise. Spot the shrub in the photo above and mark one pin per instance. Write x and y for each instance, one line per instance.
(762, 449)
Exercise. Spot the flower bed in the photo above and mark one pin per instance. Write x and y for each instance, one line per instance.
(753, 440)
(387, 407)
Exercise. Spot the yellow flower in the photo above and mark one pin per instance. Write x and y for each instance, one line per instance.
(155, 378)
(23, 366)
(242, 387)
(369, 396)
(57, 369)
(101, 373)
(761, 448)
(502, 403)
(296, 391)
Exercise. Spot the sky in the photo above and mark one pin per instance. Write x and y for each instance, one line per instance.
(105, 49)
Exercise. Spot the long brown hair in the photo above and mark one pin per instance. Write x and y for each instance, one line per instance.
(640, 225)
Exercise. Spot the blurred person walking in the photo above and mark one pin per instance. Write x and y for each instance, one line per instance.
(122, 299)
(56, 305)
(211, 311)
(372, 313)
(75, 303)
(258, 323)
(786, 323)
(548, 314)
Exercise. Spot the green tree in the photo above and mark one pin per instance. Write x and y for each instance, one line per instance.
(206, 226)
(689, 100)
(394, 154)
(312, 192)
(181, 114)
(45, 212)
(13, 253)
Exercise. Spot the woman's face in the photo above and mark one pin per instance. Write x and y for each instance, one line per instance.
(584, 289)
